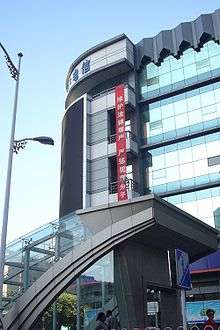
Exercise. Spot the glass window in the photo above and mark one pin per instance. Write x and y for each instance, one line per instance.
(190, 71)
(168, 124)
(217, 94)
(167, 110)
(159, 174)
(186, 164)
(185, 156)
(181, 120)
(188, 197)
(186, 171)
(199, 152)
(203, 65)
(172, 174)
(193, 102)
(213, 148)
(202, 54)
(207, 98)
(202, 204)
(165, 66)
(155, 114)
(213, 48)
(180, 106)
(176, 63)
(195, 117)
(177, 75)
(188, 57)
(165, 79)
(152, 70)
(159, 162)
(200, 167)
(171, 158)
(214, 62)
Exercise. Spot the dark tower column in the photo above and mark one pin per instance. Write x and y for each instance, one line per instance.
(71, 180)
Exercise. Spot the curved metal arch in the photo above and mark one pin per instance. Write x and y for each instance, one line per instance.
(45, 290)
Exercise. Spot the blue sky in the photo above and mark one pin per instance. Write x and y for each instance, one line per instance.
(51, 34)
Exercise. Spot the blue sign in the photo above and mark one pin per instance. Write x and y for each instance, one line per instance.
(75, 74)
(182, 270)
(196, 310)
(85, 66)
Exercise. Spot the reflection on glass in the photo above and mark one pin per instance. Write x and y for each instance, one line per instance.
(192, 66)
(203, 204)
(182, 114)
(96, 291)
(184, 164)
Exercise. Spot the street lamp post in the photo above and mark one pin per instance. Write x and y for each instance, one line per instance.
(8, 179)
(21, 144)
(14, 146)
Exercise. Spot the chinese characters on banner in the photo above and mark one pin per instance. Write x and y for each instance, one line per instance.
(120, 143)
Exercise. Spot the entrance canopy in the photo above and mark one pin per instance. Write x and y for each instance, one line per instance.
(170, 227)
(149, 220)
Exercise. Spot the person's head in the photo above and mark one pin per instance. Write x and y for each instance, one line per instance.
(100, 317)
(108, 313)
(210, 313)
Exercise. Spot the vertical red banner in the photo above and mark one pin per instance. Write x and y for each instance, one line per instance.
(120, 143)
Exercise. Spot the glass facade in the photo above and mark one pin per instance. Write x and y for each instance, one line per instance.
(180, 132)
(184, 114)
(173, 74)
(28, 257)
(185, 164)
(202, 204)
(96, 290)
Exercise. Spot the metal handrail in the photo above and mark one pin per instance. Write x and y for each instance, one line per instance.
(131, 185)
(128, 133)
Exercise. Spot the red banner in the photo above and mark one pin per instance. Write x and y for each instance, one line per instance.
(120, 143)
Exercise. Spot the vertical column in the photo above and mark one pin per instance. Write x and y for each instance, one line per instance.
(78, 304)
(128, 288)
(171, 312)
(26, 267)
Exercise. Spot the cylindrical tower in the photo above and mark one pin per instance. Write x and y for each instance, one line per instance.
(88, 157)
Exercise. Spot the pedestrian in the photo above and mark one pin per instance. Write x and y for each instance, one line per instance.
(210, 323)
(111, 321)
(100, 319)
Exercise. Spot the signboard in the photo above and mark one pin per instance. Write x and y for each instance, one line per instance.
(152, 307)
(182, 270)
(78, 72)
(196, 310)
(120, 143)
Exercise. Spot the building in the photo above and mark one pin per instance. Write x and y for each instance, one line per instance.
(168, 88)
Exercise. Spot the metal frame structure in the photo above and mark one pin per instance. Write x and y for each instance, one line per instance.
(28, 257)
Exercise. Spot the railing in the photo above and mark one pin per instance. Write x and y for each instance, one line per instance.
(129, 135)
(130, 185)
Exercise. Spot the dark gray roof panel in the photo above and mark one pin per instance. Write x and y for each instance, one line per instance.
(183, 35)
(216, 24)
(189, 34)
